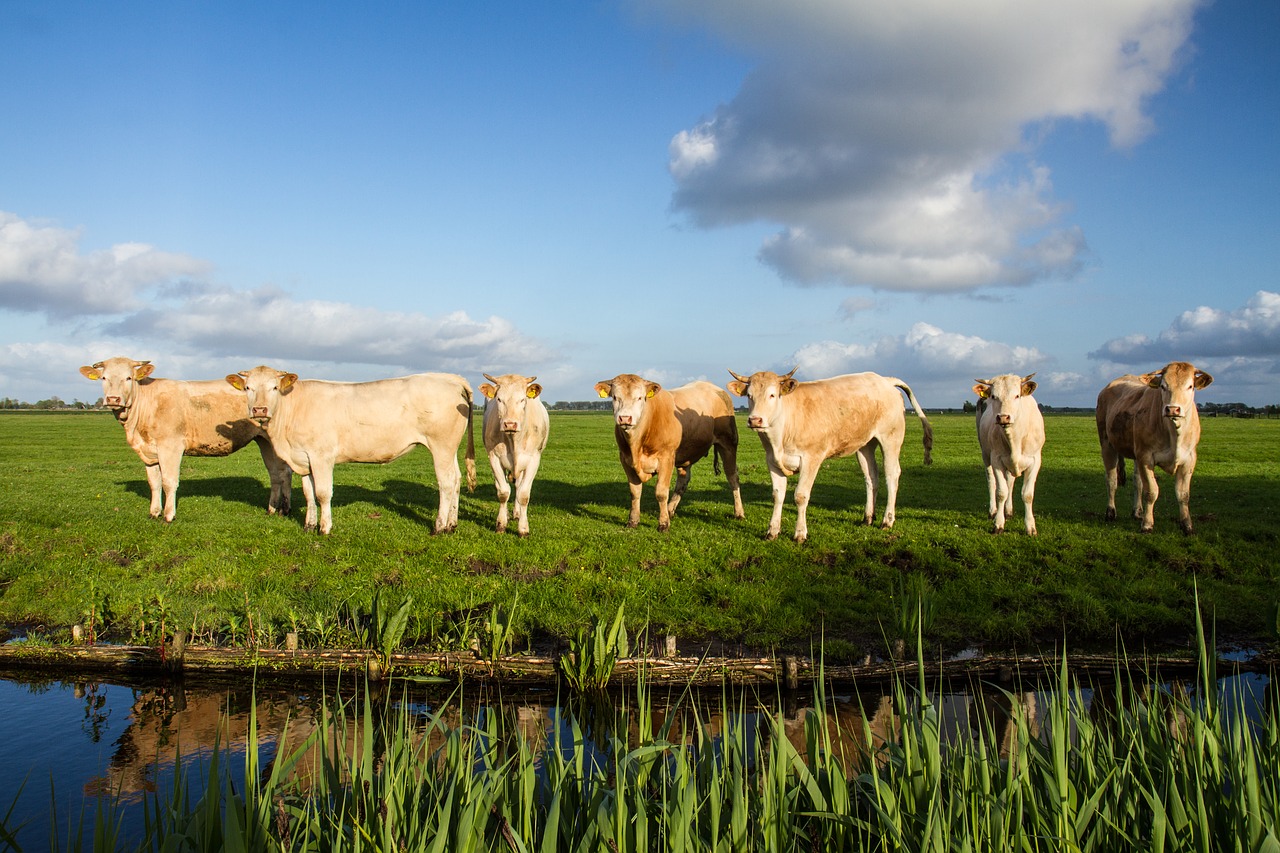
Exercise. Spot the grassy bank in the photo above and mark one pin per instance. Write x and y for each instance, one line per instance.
(76, 546)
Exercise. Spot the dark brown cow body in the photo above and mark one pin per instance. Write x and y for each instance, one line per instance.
(1151, 419)
(803, 424)
(166, 419)
(660, 431)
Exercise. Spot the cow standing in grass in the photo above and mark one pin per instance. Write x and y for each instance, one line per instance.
(515, 429)
(1011, 435)
(660, 431)
(166, 419)
(803, 424)
(314, 424)
(1151, 419)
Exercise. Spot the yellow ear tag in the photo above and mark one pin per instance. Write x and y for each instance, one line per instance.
(530, 393)
(604, 395)
(649, 394)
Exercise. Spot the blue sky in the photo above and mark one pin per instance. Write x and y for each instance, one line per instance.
(930, 190)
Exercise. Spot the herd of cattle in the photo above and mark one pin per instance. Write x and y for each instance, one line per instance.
(306, 426)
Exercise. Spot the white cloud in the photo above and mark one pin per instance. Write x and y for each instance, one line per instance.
(889, 138)
(1250, 332)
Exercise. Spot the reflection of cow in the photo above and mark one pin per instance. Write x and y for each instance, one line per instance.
(314, 424)
(803, 424)
(515, 430)
(1151, 419)
(660, 431)
(1011, 435)
(166, 419)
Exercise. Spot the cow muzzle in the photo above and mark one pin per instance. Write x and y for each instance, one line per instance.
(1174, 412)
(1004, 420)
(625, 421)
(755, 422)
(113, 402)
(259, 413)
(510, 426)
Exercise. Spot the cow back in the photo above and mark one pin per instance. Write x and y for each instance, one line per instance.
(207, 417)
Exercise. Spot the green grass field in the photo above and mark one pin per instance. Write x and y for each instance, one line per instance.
(75, 538)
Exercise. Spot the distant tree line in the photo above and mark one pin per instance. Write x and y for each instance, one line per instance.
(52, 404)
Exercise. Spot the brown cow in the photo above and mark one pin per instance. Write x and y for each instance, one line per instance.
(314, 424)
(515, 429)
(659, 431)
(1151, 419)
(1011, 436)
(166, 419)
(803, 424)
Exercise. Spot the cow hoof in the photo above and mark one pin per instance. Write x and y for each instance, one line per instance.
(524, 534)
(996, 531)
(663, 527)
(770, 535)
(501, 528)
(800, 540)
(632, 525)
(1111, 514)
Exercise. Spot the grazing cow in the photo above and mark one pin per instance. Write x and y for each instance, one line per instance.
(1011, 435)
(515, 429)
(659, 431)
(314, 424)
(803, 424)
(1151, 419)
(166, 419)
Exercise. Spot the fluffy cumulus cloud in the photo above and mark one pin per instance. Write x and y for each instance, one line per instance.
(890, 139)
(1249, 332)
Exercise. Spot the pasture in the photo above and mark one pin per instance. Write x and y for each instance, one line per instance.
(76, 544)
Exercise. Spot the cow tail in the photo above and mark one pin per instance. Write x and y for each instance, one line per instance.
(471, 441)
(924, 421)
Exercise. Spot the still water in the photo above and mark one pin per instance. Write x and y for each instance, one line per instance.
(65, 742)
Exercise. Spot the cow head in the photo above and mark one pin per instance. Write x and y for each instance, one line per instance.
(1177, 383)
(764, 392)
(120, 376)
(510, 395)
(1002, 392)
(629, 393)
(263, 387)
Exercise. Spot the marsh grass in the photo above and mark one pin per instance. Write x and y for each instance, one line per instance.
(75, 539)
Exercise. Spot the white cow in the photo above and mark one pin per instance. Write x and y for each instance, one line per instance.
(314, 424)
(166, 419)
(515, 429)
(1011, 435)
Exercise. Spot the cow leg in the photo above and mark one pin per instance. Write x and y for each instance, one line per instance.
(661, 490)
(322, 477)
(281, 477)
(1029, 494)
(1004, 494)
(503, 487)
(153, 480)
(1182, 488)
(1146, 487)
(992, 506)
(804, 487)
(871, 479)
(449, 479)
(170, 466)
(779, 481)
(309, 492)
(524, 487)
(634, 484)
(729, 458)
(682, 483)
(1112, 463)
(892, 474)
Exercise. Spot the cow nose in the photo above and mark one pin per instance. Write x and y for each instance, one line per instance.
(111, 401)
(1004, 420)
(624, 420)
(258, 412)
(510, 426)
(755, 422)
(1173, 411)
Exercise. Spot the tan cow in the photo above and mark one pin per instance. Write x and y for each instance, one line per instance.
(166, 419)
(660, 431)
(314, 424)
(803, 424)
(515, 429)
(1011, 435)
(1151, 419)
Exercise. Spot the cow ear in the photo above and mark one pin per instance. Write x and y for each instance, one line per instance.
(488, 390)
(786, 384)
(650, 389)
(1029, 387)
(604, 389)
(1203, 380)
(91, 372)
(1152, 379)
(982, 389)
(287, 380)
(533, 390)
(738, 389)
(143, 370)
(236, 381)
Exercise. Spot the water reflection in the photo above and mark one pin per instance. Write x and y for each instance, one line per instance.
(72, 741)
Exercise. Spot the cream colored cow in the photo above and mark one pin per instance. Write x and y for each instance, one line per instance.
(1011, 435)
(660, 431)
(515, 429)
(314, 424)
(1151, 419)
(166, 419)
(803, 424)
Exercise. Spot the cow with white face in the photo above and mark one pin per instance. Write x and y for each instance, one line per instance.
(1011, 436)
(1151, 419)
(803, 424)
(314, 424)
(659, 431)
(515, 429)
(166, 419)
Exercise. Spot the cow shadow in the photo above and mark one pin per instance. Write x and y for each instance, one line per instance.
(240, 490)
(610, 500)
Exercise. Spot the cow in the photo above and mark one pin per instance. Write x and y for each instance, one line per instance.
(803, 424)
(1151, 419)
(515, 429)
(660, 431)
(314, 424)
(166, 419)
(1011, 436)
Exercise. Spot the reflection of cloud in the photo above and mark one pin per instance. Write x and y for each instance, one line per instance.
(890, 138)
(1251, 331)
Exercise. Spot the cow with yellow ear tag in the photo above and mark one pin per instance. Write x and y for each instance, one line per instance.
(515, 427)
